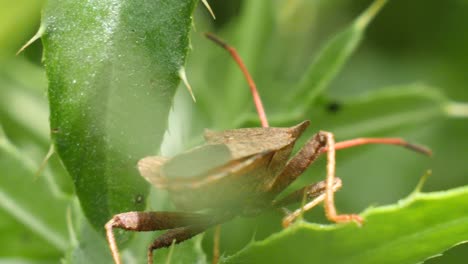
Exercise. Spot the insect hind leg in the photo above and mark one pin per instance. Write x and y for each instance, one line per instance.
(176, 236)
(149, 221)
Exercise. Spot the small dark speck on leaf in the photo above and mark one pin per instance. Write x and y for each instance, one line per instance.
(333, 107)
(139, 199)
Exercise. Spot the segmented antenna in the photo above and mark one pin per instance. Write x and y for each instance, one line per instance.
(253, 87)
(381, 141)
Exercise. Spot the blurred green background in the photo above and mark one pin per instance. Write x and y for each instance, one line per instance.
(408, 42)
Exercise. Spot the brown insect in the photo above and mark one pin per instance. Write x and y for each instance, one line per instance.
(238, 172)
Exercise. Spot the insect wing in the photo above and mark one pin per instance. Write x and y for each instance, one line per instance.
(246, 142)
(150, 169)
(225, 187)
(197, 161)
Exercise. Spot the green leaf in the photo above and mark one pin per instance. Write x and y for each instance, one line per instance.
(333, 56)
(396, 233)
(404, 106)
(16, 18)
(26, 220)
(24, 261)
(20, 97)
(113, 70)
(90, 248)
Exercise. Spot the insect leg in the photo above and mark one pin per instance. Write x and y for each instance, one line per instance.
(318, 197)
(329, 198)
(324, 142)
(330, 209)
(299, 163)
(183, 233)
(176, 236)
(309, 192)
(147, 221)
(216, 238)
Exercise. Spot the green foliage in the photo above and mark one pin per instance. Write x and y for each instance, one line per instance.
(388, 233)
(27, 210)
(112, 69)
(332, 57)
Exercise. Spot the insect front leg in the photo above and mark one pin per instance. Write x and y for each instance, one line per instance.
(319, 143)
(299, 163)
(308, 192)
(148, 221)
(315, 191)
(330, 209)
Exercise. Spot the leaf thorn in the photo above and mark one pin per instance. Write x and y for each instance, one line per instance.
(205, 3)
(183, 77)
(36, 36)
(44, 161)
(421, 182)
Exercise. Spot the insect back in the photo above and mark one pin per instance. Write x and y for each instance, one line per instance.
(231, 170)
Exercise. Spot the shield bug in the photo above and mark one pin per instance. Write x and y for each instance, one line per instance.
(238, 172)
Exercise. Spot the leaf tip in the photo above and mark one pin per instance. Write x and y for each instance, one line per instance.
(366, 17)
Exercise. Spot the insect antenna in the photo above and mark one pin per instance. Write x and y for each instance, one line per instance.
(250, 81)
(385, 141)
